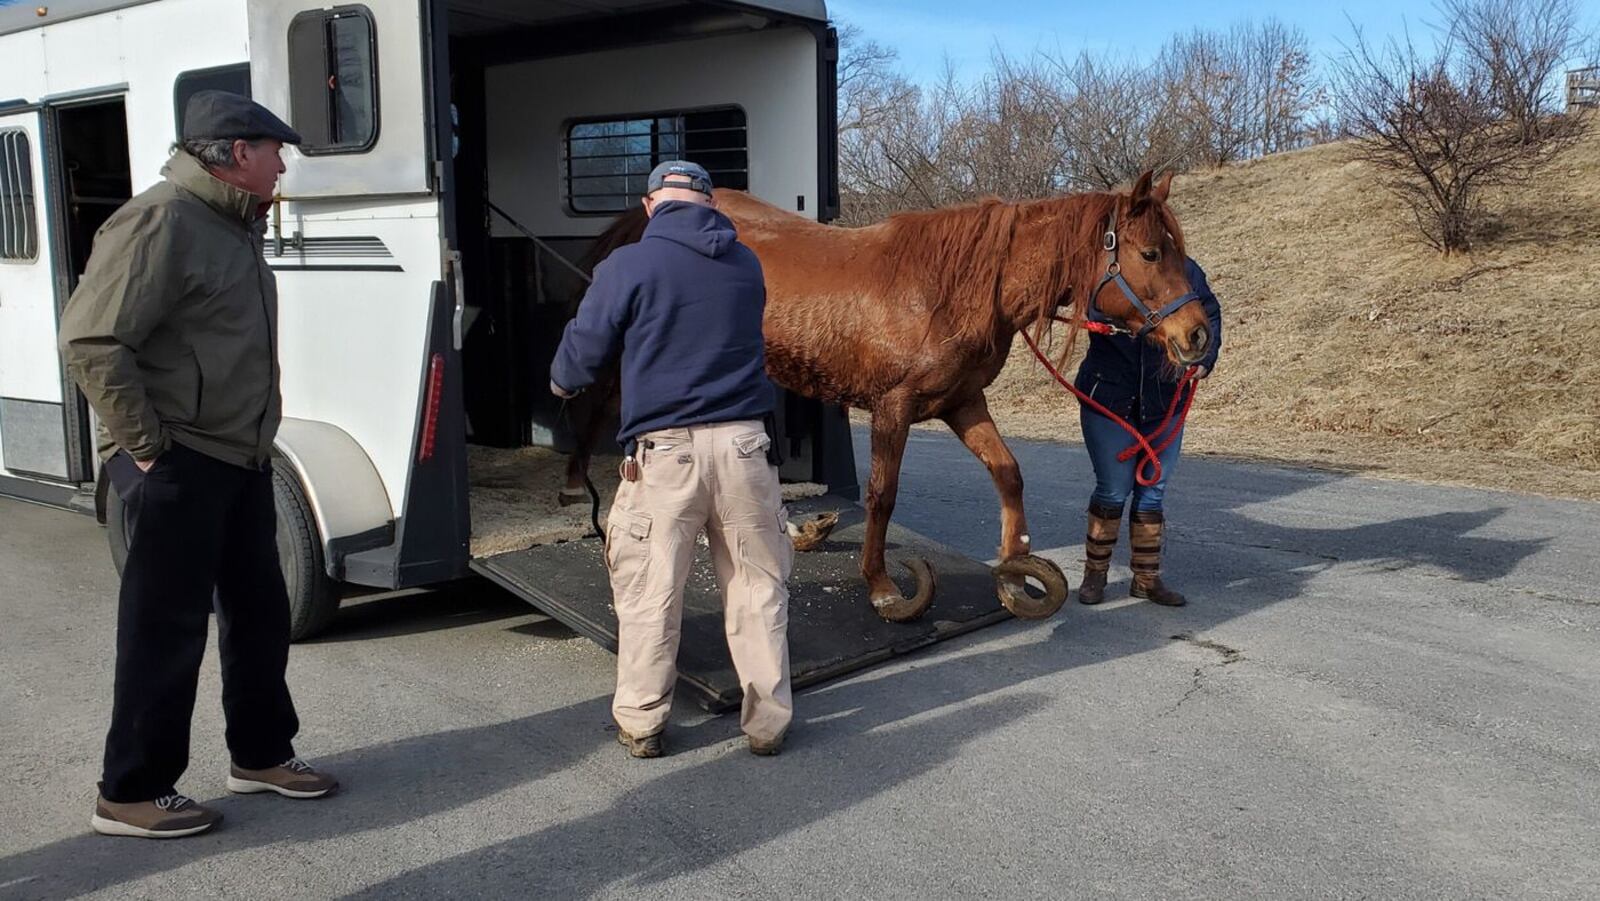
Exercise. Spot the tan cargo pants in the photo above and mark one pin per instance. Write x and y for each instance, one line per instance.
(717, 478)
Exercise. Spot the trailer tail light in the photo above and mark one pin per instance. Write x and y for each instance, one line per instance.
(430, 416)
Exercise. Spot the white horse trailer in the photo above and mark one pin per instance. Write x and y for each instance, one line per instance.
(412, 324)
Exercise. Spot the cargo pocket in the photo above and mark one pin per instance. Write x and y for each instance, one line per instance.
(767, 554)
(627, 552)
(752, 445)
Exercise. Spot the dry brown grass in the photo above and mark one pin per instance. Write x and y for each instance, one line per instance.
(1350, 344)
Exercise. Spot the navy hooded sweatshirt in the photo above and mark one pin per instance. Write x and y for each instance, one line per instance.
(683, 307)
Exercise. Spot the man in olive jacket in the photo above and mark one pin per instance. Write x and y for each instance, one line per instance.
(171, 336)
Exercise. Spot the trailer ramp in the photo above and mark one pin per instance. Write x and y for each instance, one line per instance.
(833, 630)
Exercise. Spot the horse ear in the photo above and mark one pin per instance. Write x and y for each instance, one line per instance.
(1141, 189)
(1163, 189)
(1139, 198)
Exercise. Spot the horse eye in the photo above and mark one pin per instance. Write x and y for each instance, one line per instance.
(1150, 256)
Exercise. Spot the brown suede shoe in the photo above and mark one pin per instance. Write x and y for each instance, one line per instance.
(647, 746)
(173, 816)
(294, 778)
(766, 748)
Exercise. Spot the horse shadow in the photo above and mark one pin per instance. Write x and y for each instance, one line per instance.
(1226, 521)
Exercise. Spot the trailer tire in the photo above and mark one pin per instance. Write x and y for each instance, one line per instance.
(313, 597)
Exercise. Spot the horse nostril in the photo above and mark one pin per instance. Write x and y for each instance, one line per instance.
(1200, 338)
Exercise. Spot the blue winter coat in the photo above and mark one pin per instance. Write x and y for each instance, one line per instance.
(683, 309)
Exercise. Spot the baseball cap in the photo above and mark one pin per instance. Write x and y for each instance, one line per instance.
(679, 174)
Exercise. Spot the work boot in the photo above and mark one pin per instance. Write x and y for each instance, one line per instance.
(1104, 524)
(294, 778)
(1144, 534)
(764, 748)
(647, 746)
(171, 816)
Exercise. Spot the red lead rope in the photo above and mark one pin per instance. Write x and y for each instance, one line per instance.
(1141, 442)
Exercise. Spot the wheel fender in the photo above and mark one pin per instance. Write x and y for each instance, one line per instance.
(346, 494)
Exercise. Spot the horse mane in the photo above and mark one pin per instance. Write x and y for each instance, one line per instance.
(627, 228)
(961, 255)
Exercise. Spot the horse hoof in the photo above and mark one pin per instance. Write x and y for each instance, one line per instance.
(897, 608)
(813, 533)
(1013, 591)
(567, 499)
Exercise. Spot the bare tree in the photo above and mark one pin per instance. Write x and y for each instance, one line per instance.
(1117, 120)
(1241, 93)
(1037, 125)
(879, 119)
(1432, 129)
(1284, 85)
(1520, 48)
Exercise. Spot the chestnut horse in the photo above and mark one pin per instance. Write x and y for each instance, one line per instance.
(912, 318)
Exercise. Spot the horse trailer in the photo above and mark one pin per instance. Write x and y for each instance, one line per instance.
(459, 156)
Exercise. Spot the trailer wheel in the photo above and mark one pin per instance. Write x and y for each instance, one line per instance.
(313, 597)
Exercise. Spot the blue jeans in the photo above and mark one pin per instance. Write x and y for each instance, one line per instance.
(1113, 479)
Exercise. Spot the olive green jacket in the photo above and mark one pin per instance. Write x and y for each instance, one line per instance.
(171, 333)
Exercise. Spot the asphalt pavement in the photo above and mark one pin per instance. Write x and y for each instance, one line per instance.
(1378, 690)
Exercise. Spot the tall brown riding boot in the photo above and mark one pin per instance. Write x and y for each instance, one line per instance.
(1104, 524)
(1144, 533)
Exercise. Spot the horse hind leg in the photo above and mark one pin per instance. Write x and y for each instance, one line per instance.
(889, 434)
(976, 429)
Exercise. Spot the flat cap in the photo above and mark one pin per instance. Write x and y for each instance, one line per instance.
(225, 116)
(679, 174)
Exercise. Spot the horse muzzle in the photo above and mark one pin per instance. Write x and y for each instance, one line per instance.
(1194, 349)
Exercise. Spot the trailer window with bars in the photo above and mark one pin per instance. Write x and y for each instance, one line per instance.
(18, 221)
(609, 160)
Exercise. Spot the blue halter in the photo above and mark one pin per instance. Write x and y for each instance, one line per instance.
(1114, 275)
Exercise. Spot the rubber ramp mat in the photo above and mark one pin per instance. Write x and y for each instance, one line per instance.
(832, 627)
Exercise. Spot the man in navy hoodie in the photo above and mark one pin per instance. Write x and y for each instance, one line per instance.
(683, 308)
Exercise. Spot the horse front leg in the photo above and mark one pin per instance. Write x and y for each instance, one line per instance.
(889, 431)
(576, 489)
(976, 429)
(588, 432)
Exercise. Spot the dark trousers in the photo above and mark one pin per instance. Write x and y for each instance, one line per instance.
(204, 534)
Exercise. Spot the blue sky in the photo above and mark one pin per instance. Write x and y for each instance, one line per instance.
(924, 31)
